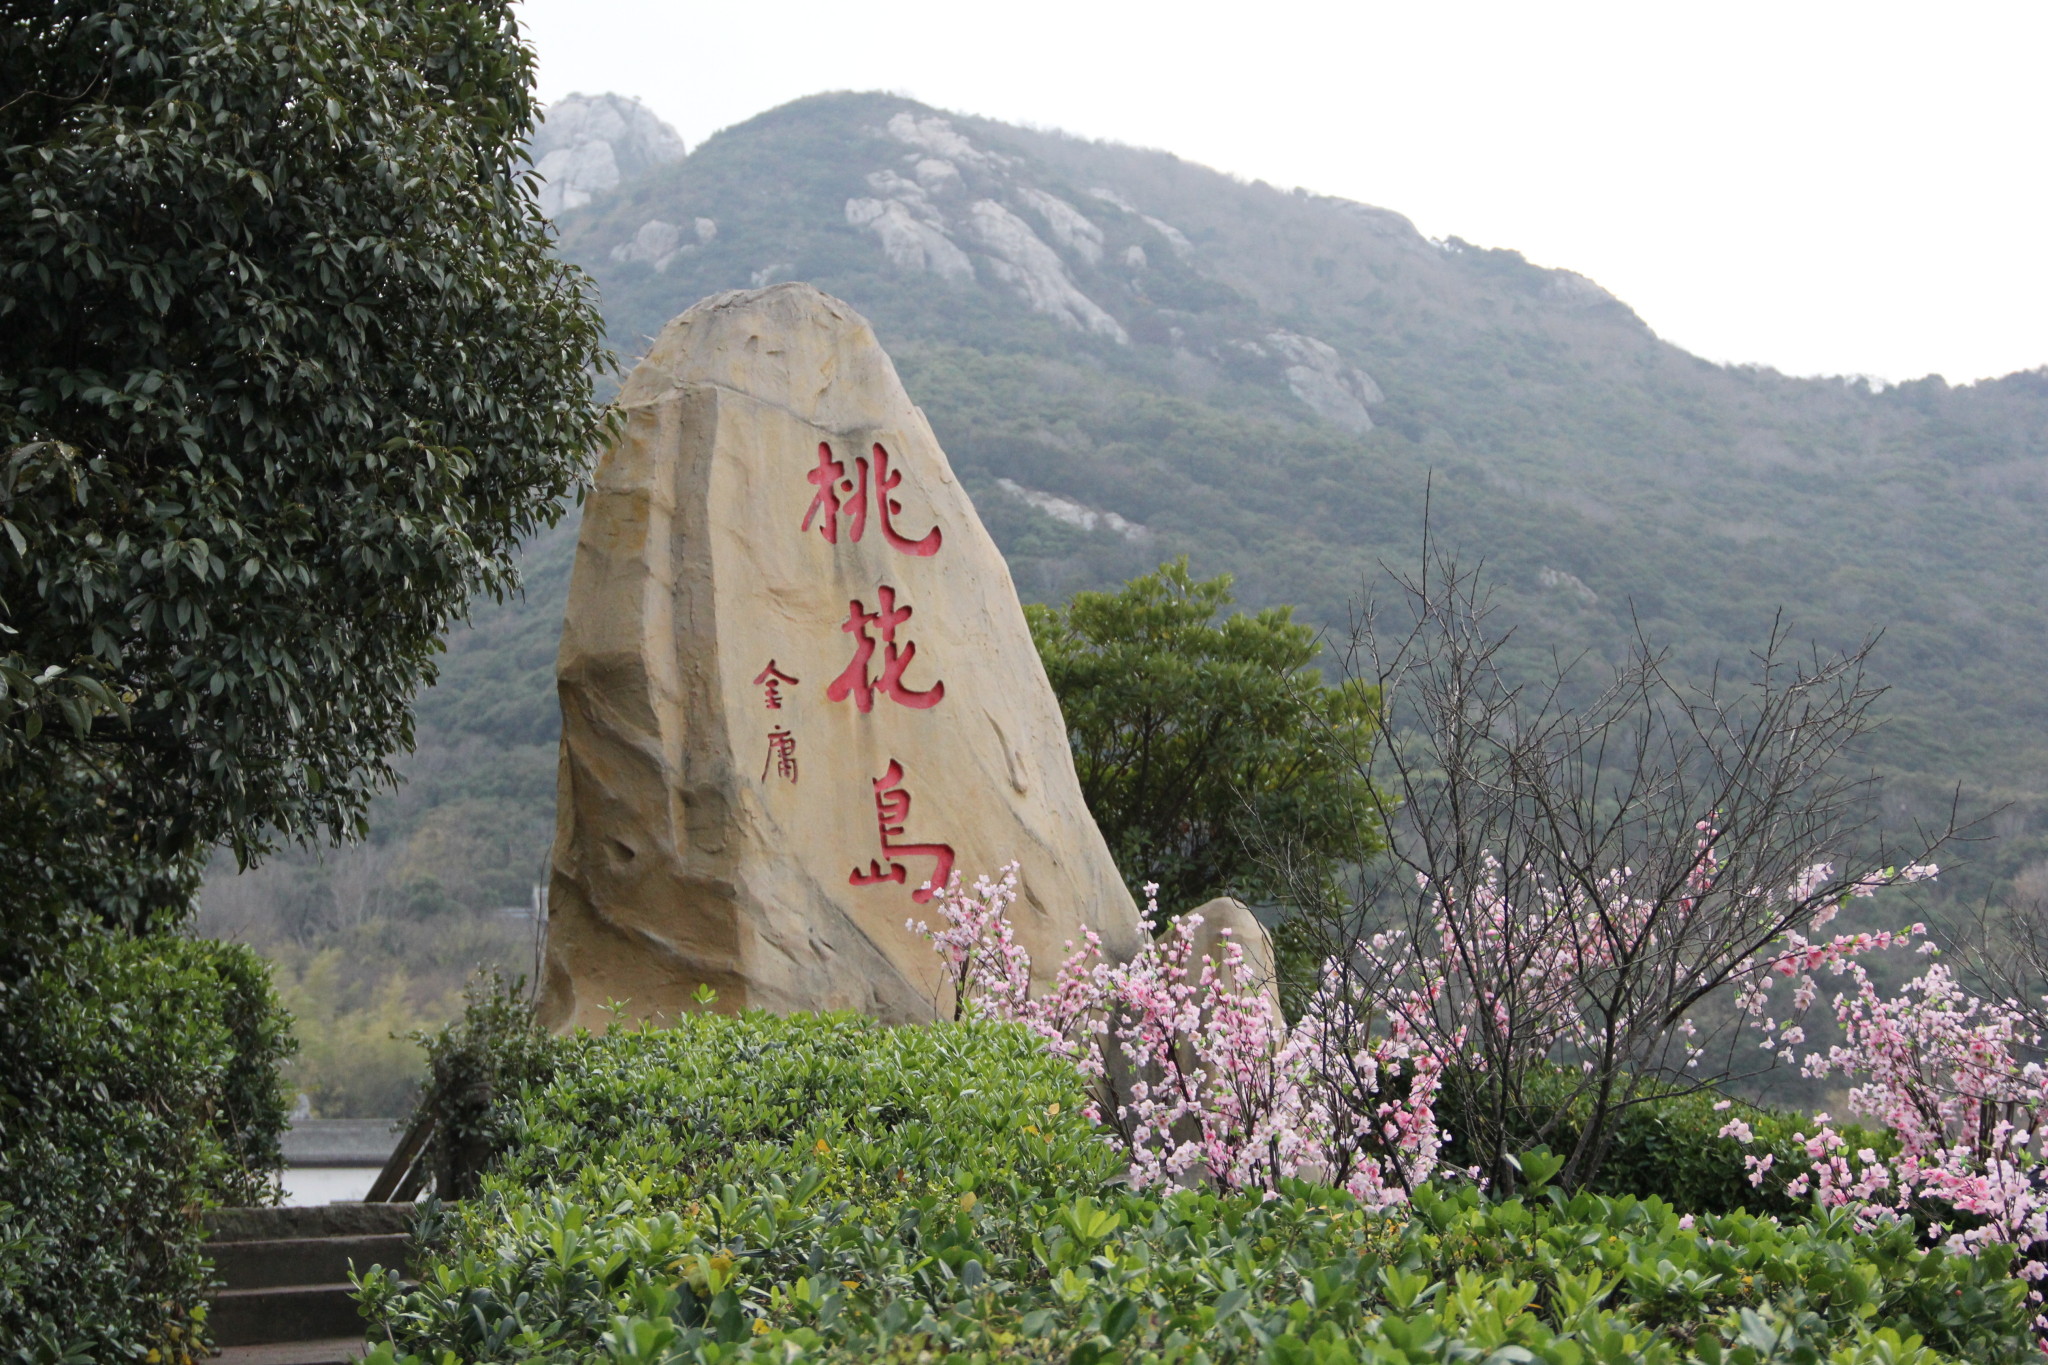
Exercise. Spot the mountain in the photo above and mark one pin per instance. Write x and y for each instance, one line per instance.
(1128, 357)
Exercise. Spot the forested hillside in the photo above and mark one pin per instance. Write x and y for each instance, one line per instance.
(1601, 470)
(1130, 357)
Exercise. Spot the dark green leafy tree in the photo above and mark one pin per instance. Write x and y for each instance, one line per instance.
(286, 371)
(1206, 747)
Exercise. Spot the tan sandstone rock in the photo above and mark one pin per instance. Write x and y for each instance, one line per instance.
(796, 684)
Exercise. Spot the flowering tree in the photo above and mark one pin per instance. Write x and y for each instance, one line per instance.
(1568, 887)
(1198, 1075)
(1958, 1081)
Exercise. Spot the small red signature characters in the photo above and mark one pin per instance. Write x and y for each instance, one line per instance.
(841, 495)
(892, 811)
(781, 755)
(770, 680)
(855, 682)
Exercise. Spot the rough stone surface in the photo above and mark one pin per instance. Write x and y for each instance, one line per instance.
(935, 135)
(708, 838)
(1318, 376)
(656, 243)
(912, 235)
(1068, 225)
(586, 144)
(1025, 263)
(1073, 513)
(929, 221)
(272, 1223)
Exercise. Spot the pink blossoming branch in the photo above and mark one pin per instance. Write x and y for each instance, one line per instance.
(1192, 1064)
(1952, 1076)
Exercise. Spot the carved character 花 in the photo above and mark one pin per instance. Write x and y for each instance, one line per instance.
(854, 681)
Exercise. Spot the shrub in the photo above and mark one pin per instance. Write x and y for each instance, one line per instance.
(1959, 1083)
(251, 1115)
(141, 1086)
(475, 1067)
(751, 1188)
(1200, 742)
(1193, 1068)
(1672, 1147)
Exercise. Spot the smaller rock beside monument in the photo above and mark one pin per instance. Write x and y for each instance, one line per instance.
(1227, 920)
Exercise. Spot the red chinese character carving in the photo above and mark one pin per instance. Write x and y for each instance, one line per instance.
(781, 754)
(771, 679)
(892, 811)
(896, 873)
(886, 506)
(830, 478)
(855, 682)
(840, 494)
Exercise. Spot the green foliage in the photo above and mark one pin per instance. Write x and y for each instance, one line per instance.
(759, 1189)
(1203, 745)
(358, 1051)
(141, 1085)
(286, 371)
(476, 1067)
(249, 1116)
(1668, 1146)
(1671, 1147)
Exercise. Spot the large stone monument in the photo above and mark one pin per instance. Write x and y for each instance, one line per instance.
(797, 688)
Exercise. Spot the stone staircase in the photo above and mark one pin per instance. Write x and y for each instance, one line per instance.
(288, 1299)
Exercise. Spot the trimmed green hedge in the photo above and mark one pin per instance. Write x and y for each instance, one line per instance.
(760, 1189)
(141, 1086)
(1671, 1148)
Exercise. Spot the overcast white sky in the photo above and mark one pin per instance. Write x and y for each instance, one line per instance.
(1827, 188)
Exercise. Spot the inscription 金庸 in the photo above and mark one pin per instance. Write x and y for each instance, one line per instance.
(770, 680)
(781, 755)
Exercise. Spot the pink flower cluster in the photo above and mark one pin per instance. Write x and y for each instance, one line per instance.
(1954, 1078)
(1195, 1068)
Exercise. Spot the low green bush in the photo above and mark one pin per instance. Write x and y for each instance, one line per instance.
(1671, 1147)
(760, 1189)
(141, 1086)
(475, 1067)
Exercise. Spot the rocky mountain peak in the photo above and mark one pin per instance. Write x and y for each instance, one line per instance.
(941, 223)
(586, 144)
(968, 213)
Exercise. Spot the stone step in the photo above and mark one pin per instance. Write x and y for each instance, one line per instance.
(297, 1312)
(315, 1220)
(330, 1351)
(304, 1260)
